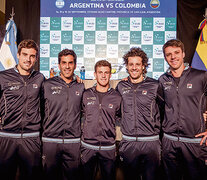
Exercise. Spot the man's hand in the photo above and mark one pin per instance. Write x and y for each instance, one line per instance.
(204, 134)
(126, 79)
(79, 80)
(204, 139)
(205, 116)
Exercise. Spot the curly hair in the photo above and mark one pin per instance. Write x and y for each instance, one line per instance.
(136, 51)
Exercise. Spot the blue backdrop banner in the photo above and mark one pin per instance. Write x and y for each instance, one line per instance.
(105, 29)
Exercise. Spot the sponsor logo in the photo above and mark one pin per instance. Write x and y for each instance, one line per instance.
(189, 86)
(44, 50)
(44, 36)
(158, 65)
(90, 103)
(55, 23)
(135, 24)
(56, 87)
(56, 92)
(168, 83)
(91, 98)
(54, 50)
(147, 37)
(111, 106)
(55, 37)
(126, 92)
(35, 86)
(170, 35)
(44, 23)
(112, 51)
(67, 24)
(147, 24)
(89, 50)
(89, 24)
(78, 37)
(101, 37)
(148, 49)
(13, 83)
(158, 37)
(167, 88)
(170, 24)
(12, 88)
(124, 37)
(113, 24)
(144, 92)
(158, 52)
(159, 24)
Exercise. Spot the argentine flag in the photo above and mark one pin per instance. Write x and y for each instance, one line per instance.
(200, 57)
(8, 51)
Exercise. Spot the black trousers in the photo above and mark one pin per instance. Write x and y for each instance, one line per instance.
(140, 160)
(184, 160)
(61, 161)
(91, 159)
(24, 153)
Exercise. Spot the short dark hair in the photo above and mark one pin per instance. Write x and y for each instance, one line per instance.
(136, 51)
(66, 52)
(175, 43)
(28, 43)
(102, 63)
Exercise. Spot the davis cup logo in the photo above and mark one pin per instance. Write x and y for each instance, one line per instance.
(60, 3)
(155, 4)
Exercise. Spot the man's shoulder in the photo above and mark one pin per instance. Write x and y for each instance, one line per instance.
(163, 76)
(8, 75)
(37, 74)
(7, 71)
(151, 80)
(123, 83)
(197, 71)
(89, 90)
(115, 93)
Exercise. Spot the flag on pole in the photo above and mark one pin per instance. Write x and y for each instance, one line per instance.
(8, 50)
(200, 57)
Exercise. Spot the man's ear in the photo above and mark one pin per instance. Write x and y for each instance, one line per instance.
(94, 74)
(183, 55)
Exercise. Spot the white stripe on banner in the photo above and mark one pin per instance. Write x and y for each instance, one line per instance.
(8, 51)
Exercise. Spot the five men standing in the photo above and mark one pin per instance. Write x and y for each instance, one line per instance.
(182, 89)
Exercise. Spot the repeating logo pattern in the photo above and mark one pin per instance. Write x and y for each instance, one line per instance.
(96, 38)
